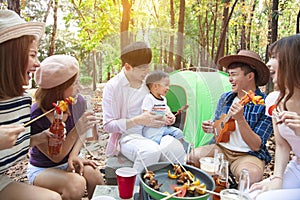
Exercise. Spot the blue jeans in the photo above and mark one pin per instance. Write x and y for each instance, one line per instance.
(156, 134)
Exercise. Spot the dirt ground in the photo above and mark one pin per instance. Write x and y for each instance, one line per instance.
(96, 149)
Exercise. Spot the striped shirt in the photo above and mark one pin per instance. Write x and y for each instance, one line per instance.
(15, 111)
(260, 123)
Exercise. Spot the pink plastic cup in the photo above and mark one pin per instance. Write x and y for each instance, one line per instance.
(126, 179)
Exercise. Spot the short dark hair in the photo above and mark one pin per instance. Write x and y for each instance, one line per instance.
(245, 68)
(136, 54)
(155, 76)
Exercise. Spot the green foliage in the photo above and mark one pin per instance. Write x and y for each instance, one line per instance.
(86, 80)
(93, 25)
(96, 19)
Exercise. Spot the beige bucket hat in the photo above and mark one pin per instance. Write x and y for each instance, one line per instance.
(55, 70)
(12, 26)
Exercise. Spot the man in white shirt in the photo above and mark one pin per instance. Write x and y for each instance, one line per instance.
(123, 117)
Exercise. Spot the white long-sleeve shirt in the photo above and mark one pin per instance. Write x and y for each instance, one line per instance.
(121, 102)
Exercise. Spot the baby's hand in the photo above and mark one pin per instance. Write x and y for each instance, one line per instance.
(151, 119)
(170, 119)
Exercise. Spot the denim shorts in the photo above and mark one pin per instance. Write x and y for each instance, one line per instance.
(33, 171)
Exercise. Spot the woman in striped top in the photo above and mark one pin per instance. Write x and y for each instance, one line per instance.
(18, 58)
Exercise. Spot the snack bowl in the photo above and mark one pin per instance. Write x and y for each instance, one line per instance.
(161, 175)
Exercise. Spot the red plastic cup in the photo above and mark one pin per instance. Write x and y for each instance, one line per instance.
(126, 179)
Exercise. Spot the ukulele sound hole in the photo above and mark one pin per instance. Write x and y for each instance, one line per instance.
(222, 125)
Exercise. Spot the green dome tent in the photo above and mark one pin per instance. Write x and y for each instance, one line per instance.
(201, 91)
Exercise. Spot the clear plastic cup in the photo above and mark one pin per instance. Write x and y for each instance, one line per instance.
(233, 194)
(208, 164)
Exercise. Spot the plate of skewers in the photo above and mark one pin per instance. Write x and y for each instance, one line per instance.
(176, 181)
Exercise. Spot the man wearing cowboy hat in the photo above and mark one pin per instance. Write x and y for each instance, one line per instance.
(246, 148)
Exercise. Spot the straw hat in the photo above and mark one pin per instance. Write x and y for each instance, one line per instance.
(12, 26)
(251, 58)
(55, 70)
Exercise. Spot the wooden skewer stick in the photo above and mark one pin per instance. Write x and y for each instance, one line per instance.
(171, 195)
(33, 120)
(140, 157)
(167, 158)
(72, 101)
(209, 191)
(182, 167)
(276, 115)
(245, 91)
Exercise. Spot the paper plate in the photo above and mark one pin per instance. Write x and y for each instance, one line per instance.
(103, 198)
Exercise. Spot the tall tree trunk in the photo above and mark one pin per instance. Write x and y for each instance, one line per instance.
(165, 56)
(94, 57)
(298, 23)
(220, 50)
(124, 27)
(235, 42)
(272, 35)
(215, 17)
(161, 53)
(248, 39)
(274, 21)
(53, 36)
(200, 56)
(100, 66)
(243, 28)
(89, 64)
(171, 46)
(206, 39)
(47, 11)
(14, 5)
(180, 35)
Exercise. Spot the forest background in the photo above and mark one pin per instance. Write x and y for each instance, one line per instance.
(183, 34)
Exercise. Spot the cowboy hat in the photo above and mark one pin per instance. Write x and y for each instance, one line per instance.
(253, 60)
(12, 26)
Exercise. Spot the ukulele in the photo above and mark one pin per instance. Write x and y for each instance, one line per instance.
(225, 125)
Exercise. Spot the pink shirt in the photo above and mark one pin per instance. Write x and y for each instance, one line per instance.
(290, 136)
(121, 102)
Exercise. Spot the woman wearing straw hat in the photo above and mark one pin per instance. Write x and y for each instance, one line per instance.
(66, 173)
(246, 148)
(18, 58)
